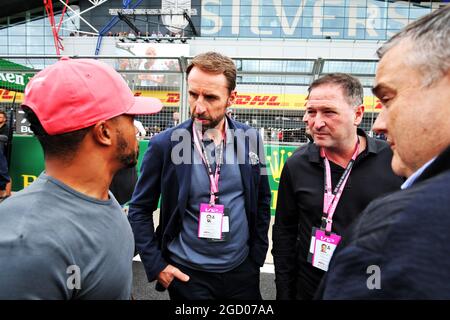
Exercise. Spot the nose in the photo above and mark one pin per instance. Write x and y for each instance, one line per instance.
(380, 124)
(318, 123)
(199, 107)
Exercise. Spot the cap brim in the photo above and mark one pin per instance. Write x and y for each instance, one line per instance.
(145, 105)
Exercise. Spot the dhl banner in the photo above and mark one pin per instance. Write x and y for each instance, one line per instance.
(257, 100)
(8, 96)
(243, 100)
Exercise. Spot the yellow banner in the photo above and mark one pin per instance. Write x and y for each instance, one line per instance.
(257, 101)
(8, 96)
(288, 101)
(243, 100)
(168, 98)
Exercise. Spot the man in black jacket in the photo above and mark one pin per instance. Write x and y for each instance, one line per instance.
(340, 152)
(399, 247)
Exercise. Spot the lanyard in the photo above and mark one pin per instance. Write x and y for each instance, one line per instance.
(213, 177)
(331, 199)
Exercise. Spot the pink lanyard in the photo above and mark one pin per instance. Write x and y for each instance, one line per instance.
(213, 177)
(331, 199)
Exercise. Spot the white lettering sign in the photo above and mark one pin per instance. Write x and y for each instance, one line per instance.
(306, 18)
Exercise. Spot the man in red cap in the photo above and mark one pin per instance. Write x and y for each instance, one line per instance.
(65, 236)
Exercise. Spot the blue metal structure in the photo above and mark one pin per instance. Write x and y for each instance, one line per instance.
(113, 22)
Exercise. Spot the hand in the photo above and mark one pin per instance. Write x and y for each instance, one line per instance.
(170, 272)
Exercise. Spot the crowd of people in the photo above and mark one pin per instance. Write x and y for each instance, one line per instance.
(356, 217)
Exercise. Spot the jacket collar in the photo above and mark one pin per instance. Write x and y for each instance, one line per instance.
(439, 165)
(183, 170)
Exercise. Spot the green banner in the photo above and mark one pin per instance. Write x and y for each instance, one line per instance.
(27, 162)
(14, 80)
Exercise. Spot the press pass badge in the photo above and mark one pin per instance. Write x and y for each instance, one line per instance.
(225, 227)
(210, 221)
(324, 247)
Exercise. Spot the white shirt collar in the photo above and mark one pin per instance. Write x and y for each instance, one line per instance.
(412, 178)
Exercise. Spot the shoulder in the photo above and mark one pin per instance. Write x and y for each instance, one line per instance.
(165, 138)
(29, 197)
(303, 155)
(377, 158)
(381, 145)
(382, 209)
(32, 217)
(432, 194)
(378, 146)
(301, 165)
(428, 197)
(404, 209)
(32, 253)
(240, 125)
(236, 125)
(161, 138)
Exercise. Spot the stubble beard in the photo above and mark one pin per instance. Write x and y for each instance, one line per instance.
(213, 123)
(127, 159)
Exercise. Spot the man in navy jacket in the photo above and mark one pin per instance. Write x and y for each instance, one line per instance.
(399, 248)
(186, 253)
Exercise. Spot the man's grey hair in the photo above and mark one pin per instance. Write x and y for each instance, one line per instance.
(351, 86)
(430, 37)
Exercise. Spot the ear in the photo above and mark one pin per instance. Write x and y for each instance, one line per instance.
(231, 98)
(359, 113)
(102, 133)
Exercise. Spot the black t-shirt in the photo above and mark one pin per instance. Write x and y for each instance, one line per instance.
(4, 130)
(123, 183)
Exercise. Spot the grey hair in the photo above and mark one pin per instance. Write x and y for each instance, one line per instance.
(353, 90)
(430, 37)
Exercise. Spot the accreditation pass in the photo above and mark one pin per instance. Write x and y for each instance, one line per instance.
(210, 221)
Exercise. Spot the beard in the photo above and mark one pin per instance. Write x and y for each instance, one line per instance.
(212, 123)
(127, 157)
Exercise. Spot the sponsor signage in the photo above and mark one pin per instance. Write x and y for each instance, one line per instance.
(13, 80)
(307, 19)
(257, 100)
(243, 100)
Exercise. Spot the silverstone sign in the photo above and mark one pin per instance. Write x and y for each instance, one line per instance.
(337, 19)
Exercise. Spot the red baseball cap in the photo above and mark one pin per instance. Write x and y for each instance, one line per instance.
(73, 94)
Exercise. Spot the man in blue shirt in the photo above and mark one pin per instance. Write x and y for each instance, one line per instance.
(215, 197)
